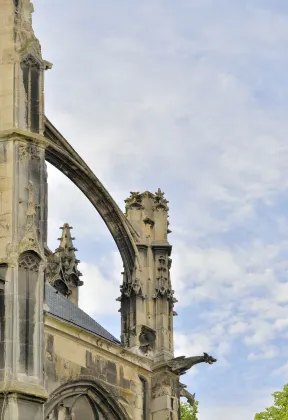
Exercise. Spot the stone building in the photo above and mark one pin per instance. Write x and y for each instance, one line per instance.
(56, 362)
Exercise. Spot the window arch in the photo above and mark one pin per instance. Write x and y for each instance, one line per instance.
(78, 400)
(83, 408)
(29, 261)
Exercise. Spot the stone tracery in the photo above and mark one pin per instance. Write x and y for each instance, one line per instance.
(83, 399)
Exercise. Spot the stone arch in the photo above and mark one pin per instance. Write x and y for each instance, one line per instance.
(63, 157)
(103, 403)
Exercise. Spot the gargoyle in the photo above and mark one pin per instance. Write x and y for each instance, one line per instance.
(181, 364)
(184, 393)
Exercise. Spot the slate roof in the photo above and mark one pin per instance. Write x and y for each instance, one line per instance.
(62, 308)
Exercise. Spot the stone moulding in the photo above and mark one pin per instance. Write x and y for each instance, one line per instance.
(100, 343)
(95, 390)
(34, 390)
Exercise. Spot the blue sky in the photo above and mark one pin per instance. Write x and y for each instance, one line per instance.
(189, 96)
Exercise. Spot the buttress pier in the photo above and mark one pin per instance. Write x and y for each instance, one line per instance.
(147, 301)
(22, 214)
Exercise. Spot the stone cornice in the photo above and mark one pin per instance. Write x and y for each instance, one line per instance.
(31, 391)
(17, 134)
(162, 246)
(142, 245)
(90, 340)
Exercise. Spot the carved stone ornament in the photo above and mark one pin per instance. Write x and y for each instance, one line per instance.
(53, 268)
(30, 239)
(29, 242)
(62, 272)
(160, 201)
(149, 221)
(29, 150)
(25, 37)
(128, 287)
(181, 364)
(163, 384)
(163, 282)
(30, 261)
(147, 338)
(186, 394)
(12, 254)
(134, 201)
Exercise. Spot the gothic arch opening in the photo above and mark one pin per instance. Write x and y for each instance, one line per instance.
(84, 399)
(96, 257)
(63, 157)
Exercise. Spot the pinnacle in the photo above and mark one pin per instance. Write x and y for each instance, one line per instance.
(66, 246)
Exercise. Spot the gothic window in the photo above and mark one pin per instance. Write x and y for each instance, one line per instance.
(29, 261)
(31, 81)
(84, 400)
(27, 289)
(82, 409)
(75, 408)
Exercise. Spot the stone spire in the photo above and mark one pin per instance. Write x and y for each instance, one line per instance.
(147, 301)
(62, 271)
(66, 248)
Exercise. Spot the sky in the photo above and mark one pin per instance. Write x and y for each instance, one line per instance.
(190, 96)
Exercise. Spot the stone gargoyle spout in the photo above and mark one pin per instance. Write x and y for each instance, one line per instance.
(181, 364)
(186, 394)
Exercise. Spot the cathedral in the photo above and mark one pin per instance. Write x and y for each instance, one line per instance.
(56, 362)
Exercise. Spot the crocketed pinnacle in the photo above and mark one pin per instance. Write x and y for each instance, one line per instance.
(66, 247)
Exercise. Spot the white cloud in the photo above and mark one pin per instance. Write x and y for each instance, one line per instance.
(239, 327)
(268, 353)
(99, 293)
(206, 113)
(260, 398)
(193, 345)
(281, 323)
(261, 333)
(282, 370)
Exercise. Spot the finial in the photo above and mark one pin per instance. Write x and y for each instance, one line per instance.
(135, 200)
(66, 242)
(160, 200)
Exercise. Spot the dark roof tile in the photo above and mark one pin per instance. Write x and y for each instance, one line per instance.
(62, 308)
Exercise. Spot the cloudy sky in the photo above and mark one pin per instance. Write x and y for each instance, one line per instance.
(189, 96)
